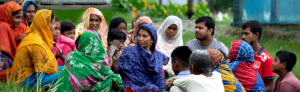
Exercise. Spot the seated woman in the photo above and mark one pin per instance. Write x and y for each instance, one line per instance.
(87, 68)
(93, 19)
(218, 64)
(141, 66)
(118, 35)
(29, 10)
(242, 57)
(131, 34)
(169, 37)
(34, 61)
(119, 23)
(11, 30)
(67, 29)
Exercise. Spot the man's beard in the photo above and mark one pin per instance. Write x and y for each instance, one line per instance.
(204, 37)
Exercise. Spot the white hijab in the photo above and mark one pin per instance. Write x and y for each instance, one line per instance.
(166, 45)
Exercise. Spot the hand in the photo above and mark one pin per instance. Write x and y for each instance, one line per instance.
(21, 38)
(60, 55)
(171, 82)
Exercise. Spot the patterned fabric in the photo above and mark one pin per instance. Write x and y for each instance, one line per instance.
(5, 62)
(25, 4)
(231, 84)
(242, 66)
(141, 68)
(131, 34)
(34, 52)
(84, 25)
(87, 68)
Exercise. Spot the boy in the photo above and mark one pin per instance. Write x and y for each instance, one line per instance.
(283, 65)
(68, 29)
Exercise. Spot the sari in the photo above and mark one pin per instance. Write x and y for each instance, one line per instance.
(65, 45)
(87, 68)
(218, 64)
(34, 58)
(25, 4)
(84, 25)
(131, 34)
(242, 55)
(9, 36)
(166, 45)
(140, 70)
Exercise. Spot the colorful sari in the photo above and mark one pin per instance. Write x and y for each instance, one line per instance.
(131, 34)
(34, 58)
(242, 55)
(9, 36)
(25, 4)
(84, 25)
(218, 63)
(87, 68)
(140, 70)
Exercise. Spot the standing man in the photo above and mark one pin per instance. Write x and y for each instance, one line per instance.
(205, 27)
(252, 31)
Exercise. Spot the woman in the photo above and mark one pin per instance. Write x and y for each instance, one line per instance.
(242, 57)
(34, 61)
(11, 30)
(93, 19)
(131, 35)
(87, 68)
(141, 66)
(231, 84)
(119, 23)
(169, 37)
(29, 10)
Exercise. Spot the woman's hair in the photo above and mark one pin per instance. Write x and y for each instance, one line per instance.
(147, 30)
(52, 16)
(56, 19)
(116, 34)
(30, 3)
(66, 26)
(76, 41)
(16, 12)
(201, 61)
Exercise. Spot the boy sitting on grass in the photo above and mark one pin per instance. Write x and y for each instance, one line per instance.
(283, 65)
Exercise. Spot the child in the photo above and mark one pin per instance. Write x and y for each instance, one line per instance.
(180, 64)
(201, 78)
(283, 65)
(68, 29)
(120, 36)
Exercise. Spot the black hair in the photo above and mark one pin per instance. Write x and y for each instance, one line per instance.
(76, 41)
(209, 22)
(66, 26)
(116, 34)
(146, 29)
(52, 16)
(224, 55)
(30, 3)
(288, 57)
(16, 12)
(254, 26)
(56, 19)
(182, 54)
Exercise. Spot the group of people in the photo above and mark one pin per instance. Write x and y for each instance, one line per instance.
(37, 49)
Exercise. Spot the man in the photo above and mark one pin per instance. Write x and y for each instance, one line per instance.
(204, 32)
(252, 31)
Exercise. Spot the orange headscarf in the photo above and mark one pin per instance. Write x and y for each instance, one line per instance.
(8, 35)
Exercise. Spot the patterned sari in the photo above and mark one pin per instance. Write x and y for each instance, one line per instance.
(218, 63)
(87, 68)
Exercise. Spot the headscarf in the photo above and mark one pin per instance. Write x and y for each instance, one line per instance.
(231, 84)
(25, 4)
(9, 35)
(84, 25)
(166, 45)
(242, 66)
(140, 67)
(131, 35)
(87, 68)
(39, 34)
(115, 22)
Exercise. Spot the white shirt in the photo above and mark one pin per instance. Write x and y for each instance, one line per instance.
(201, 83)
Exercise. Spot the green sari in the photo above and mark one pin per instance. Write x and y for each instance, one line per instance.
(87, 68)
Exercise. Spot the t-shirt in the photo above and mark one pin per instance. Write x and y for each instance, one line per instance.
(201, 83)
(263, 64)
(288, 84)
(215, 44)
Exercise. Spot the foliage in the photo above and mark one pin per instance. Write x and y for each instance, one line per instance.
(220, 5)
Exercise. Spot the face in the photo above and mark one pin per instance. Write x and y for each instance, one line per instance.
(201, 31)
(56, 33)
(171, 31)
(248, 36)
(122, 27)
(144, 38)
(52, 26)
(17, 19)
(174, 66)
(69, 34)
(192, 69)
(94, 22)
(30, 12)
(121, 45)
(276, 65)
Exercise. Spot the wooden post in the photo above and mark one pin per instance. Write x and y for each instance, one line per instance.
(275, 11)
(237, 11)
(190, 9)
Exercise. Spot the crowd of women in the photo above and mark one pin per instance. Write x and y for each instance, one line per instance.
(37, 49)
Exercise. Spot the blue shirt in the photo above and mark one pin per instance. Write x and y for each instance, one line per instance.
(182, 74)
